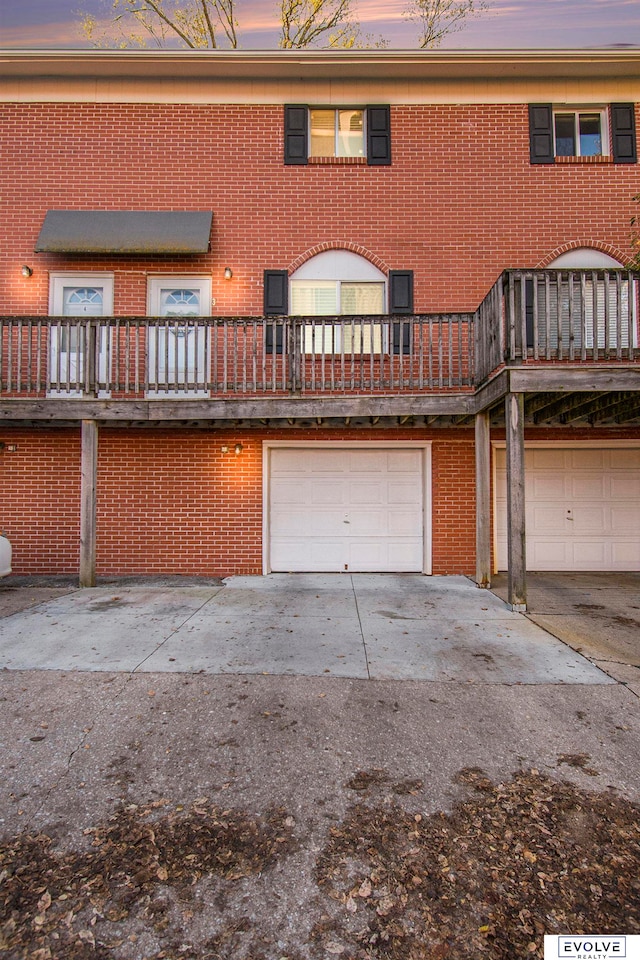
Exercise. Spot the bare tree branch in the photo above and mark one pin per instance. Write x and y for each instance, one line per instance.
(305, 22)
(436, 19)
(208, 24)
(193, 23)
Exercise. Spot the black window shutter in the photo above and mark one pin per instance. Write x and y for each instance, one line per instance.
(541, 133)
(401, 301)
(528, 312)
(400, 291)
(401, 337)
(276, 303)
(276, 289)
(623, 133)
(296, 122)
(379, 136)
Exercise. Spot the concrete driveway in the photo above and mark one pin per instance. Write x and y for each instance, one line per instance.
(597, 614)
(363, 626)
(154, 696)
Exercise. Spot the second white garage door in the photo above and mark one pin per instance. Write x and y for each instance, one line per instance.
(346, 509)
(582, 508)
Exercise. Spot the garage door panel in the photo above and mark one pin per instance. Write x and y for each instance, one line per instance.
(376, 556)
(548, 486)
(546, 518)
(289, 492)
(624, 522)
(589, 459)
(327, 492)
(588, 486)
(346, 509)
(365, 461)
(401, 492)
(582, 508)
(315, 556)
(370, 492)
(543, 552)
(626, 555)
(625, 486)
(543, 459)
(589, 520)
(404, 461)
(317, 524)
(625, 459)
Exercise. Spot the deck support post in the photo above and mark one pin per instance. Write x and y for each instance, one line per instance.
(483, 499)
(516, 533)
(88, 486)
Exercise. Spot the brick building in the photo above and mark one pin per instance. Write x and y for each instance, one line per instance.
(319, 311)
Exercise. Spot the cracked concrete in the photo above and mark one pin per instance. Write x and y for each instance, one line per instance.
(79, 744)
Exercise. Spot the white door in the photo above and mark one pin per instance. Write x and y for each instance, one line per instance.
(74, 296)
(346, 509)
(178, 347)
(582, 508)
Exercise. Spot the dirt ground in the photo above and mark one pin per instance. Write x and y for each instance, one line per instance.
(160, 817)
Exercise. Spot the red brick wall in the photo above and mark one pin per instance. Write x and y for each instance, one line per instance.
(459, 203)
(169, 501)
(40, 503)
(454, 504)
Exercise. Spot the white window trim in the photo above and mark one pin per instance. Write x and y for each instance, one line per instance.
(603, 112)
(58, 281)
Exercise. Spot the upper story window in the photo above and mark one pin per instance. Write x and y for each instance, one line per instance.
(320, 133)
(339, 283)
(582, 132)
(336, 133)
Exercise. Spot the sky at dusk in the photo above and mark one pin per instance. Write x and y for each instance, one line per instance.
(505, 24)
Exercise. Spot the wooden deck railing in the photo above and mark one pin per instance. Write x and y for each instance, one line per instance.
(529, 316)
(551, 316)
(200, 356)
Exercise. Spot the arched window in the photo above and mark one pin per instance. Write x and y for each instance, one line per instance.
(587, 303)
(337, 282)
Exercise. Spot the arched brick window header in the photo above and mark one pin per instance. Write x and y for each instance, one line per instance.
(338, 245)
(621, 256)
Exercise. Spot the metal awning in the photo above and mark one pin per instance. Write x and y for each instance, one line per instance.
(125, 231)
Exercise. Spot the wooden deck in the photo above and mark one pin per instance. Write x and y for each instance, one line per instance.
(548, 330)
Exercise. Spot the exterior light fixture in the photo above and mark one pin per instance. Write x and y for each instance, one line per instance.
(238, 448)
(228, 273)
(26, 271)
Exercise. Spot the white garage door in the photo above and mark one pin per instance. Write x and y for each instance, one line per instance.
(337, 509)
(582, 509)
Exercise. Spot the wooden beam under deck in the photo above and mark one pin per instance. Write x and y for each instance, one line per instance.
(88, 500)
(251, 409)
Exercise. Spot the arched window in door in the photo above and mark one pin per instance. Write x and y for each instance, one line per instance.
(583, 302)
